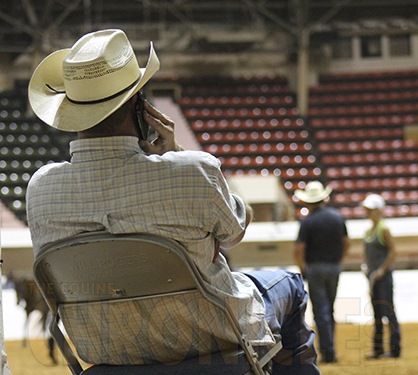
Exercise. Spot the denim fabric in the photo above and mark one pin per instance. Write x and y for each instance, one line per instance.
(382, 300)
(323, 282)
(286, 300)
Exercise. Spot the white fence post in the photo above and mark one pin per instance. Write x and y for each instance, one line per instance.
(4, 369)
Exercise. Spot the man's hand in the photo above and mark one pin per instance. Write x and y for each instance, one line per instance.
(164, 127)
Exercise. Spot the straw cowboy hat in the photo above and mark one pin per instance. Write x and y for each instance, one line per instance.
(314, 192)
(74, 89)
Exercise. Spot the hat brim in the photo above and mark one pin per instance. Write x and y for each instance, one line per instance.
(304, 197)
(370, 206)
(57, 111)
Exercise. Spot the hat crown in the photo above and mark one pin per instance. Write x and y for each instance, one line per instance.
(98, 66)
(314, 188)
(374, 201)
(314, 192)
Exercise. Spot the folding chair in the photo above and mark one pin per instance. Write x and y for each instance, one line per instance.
(137, 269)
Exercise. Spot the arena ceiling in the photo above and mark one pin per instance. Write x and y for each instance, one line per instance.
(197, 25)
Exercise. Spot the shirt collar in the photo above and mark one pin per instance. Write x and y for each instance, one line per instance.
(124, 144)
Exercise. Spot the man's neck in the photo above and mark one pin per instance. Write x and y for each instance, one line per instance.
(315, 206)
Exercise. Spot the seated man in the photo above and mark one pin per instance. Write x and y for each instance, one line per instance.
(118, 183)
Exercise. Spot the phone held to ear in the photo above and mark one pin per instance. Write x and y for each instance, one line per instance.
(143, 127)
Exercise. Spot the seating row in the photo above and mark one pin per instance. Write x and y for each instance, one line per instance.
(367, 146)
(239, 90)
(358, 212)
(24, 139)
(201, 82)
(370, 158)
(380, 97)
(240, 112)
(375, 184)
(251, 148)
(25, 152)
(16, 192)
(10, 165)
(23, 126)
(238, 139)
(254, 136)
(363, 86)
(244, 124)
(14, 178)
(24, 130)
(284, 99)
(356, 134)
(234, 87)
(364, 109)
(289, 174)
(11, 102)
(380, 75)
(370, 171)
(11, 114)
(363, 121)
(268, 159)
(390, 197)
(401, 210)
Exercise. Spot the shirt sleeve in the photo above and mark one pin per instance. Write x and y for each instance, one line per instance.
(303, 232)
(228, 211)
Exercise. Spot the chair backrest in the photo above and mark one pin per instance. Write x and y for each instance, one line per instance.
(101, 266)
(95, 271)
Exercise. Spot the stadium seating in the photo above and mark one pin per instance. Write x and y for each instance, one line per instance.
(353, 137)
(26, 145)
(357, 122)
(353, 134)
(252, 124)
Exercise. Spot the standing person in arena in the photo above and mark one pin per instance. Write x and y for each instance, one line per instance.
(120, 182)
(319, 249)
(380, 255)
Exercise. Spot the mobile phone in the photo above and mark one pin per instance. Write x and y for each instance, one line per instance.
(143, 127)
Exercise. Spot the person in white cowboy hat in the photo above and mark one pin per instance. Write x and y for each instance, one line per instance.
(380, 254)
(319, 249)
(119, 183)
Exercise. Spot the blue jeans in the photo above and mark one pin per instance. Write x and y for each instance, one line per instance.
(286, 300)
(323, 282)
(382, 300)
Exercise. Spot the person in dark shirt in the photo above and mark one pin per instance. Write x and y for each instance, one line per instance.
(319, 249)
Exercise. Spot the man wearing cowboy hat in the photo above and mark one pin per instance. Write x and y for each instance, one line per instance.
(117, 184)
(321, 244)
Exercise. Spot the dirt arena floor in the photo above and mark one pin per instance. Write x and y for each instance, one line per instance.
(353, 343)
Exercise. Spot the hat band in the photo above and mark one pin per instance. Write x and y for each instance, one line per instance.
(98, 100)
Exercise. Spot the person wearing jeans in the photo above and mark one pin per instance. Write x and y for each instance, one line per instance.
(319, 249)
(380, 255)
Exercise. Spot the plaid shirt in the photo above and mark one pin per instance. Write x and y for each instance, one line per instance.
(111, 184)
